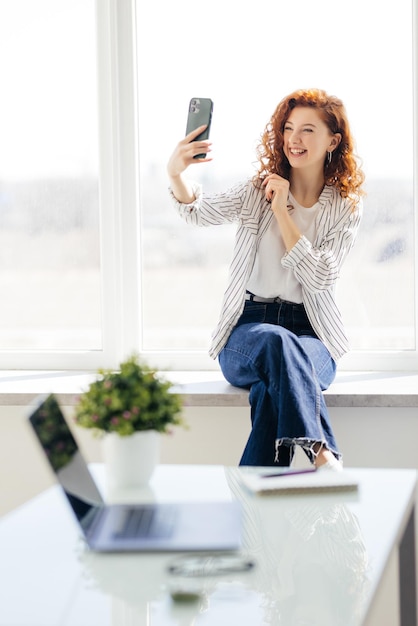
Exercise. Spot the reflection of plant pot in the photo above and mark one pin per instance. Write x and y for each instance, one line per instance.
(130, 461)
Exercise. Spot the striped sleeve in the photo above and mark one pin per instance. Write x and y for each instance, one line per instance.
(212, 209)
(317, 266)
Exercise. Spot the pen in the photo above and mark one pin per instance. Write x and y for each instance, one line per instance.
(290, 473)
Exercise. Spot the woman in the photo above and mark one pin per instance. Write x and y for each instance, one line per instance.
(280, 332)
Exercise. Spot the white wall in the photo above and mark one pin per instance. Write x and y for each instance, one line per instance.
(368, 437)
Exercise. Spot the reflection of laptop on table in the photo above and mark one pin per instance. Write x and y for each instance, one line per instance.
(124, 527)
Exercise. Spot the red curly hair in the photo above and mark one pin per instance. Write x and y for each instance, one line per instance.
(343, 172)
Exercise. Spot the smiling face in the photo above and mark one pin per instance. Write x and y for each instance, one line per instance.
(307, 138)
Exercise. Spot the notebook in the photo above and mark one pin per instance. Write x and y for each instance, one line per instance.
(271, 482)
(182, 526)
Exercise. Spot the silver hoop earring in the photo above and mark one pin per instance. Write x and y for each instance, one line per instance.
(329, 157)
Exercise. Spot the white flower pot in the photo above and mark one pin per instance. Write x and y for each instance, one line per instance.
(130, 461)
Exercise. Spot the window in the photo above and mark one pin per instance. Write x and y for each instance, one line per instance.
(69, 297)
(49, 194)
(94, 261)
(246, 61)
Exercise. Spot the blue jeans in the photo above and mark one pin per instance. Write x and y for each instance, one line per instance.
(274, 352)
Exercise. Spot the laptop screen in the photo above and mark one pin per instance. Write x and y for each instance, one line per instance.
(64, 456)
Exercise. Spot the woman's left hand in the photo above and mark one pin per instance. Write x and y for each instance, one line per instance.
(276, 191)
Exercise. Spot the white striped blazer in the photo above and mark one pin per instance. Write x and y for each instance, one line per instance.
(316, 266)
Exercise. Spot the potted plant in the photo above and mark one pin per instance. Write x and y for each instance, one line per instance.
(130, 408)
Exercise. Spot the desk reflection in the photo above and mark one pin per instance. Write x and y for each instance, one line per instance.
(314, 561)
(311, 569)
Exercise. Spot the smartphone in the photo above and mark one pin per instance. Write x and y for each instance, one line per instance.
(200, 113)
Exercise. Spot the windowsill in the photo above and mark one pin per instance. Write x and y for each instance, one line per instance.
(209, 389)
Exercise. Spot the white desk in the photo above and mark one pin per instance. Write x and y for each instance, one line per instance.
(317, 556)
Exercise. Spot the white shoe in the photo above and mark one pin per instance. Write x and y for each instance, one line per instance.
(334, 466)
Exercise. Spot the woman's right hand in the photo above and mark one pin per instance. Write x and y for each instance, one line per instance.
(185, 151)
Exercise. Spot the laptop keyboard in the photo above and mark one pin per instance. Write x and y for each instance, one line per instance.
(143, 522)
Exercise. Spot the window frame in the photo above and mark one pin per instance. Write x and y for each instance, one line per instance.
(118, 198)
(119, 193)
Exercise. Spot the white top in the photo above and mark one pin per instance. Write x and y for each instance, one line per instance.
(268, 277)
(316, 265)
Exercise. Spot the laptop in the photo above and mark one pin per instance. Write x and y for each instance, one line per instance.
(158, 527)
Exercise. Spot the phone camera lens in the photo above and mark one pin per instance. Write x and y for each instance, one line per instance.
(194, 105)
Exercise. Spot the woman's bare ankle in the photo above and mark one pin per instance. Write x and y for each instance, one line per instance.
(325, 456)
